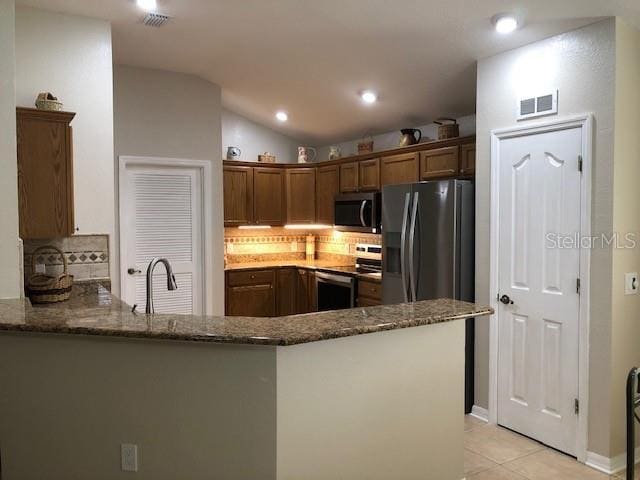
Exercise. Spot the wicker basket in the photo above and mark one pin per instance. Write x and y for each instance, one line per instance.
(42, 288)
(267, 157)
(447, 130)
(365, 145)
(46, 101)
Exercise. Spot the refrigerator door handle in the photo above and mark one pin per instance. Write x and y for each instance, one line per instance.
(362, 207)
(403, 242)
(412, 244)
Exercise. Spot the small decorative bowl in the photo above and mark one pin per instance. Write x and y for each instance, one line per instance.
(46, 101)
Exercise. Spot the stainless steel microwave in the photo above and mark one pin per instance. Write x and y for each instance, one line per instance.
(358, 212)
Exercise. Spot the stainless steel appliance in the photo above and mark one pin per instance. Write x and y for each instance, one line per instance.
(336, 287)
(358, 212)
(335, 291)
(428, 248)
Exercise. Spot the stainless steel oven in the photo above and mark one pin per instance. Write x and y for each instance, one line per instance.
(358, 212)
(334, 291)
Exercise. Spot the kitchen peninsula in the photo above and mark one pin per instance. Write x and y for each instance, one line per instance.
(342, 394)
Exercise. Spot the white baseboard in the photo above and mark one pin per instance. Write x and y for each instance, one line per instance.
(609, 465)
(480, 413)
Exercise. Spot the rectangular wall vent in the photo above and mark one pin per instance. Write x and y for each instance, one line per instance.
(538, 106)
(155, 19)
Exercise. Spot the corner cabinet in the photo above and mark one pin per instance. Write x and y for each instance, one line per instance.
(45, 173)
(301, 198)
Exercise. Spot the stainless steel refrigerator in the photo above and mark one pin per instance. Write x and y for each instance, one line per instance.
(428, 232)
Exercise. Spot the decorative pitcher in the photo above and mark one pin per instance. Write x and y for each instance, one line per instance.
(408, 136)
(303, 154)
(233, 153)
(334, 153)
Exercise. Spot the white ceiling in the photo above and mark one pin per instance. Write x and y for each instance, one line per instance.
(311, 58)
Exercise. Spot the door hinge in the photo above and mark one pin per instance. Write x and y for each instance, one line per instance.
(576, 406)
(580, 163)
(578, 286)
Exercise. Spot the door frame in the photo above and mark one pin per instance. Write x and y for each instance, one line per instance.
(206, 177)
(585, 122)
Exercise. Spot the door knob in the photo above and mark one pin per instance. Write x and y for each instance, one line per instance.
(506, 300)
(133, 271)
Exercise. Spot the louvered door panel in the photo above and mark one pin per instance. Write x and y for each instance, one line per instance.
(165, 221)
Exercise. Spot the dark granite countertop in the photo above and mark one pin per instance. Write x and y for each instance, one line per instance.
(94, 311)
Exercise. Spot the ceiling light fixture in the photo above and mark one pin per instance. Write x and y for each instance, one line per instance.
(369, 97)
(505, 24)
(148, 5)
(282, 116)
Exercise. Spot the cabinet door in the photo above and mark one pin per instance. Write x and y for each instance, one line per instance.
(301, 198)
(251, 293)
(402, 168)
(468, 159)
(269, 202)
(45, 174)
(311, 292)
(238, 195)
(370, 175)
(439, 163)
(286, 282)
(302, 291)
(349, 173)
(327, 187)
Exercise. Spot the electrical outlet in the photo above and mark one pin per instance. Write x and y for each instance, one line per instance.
(41, 268)
(631, 283)
(129, 457)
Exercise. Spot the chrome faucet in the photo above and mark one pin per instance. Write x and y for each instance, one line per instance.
(171, 280)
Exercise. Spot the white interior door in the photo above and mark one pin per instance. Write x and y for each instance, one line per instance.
(161, 216)
(538, 334)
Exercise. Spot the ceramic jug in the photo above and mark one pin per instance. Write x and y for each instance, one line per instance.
(303, 154)
(408, 136)
(233, 153)
(334, 153)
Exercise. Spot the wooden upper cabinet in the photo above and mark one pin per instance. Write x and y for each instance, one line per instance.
(439, 163)
(402, 168)
(301, 198)
(369, 175)
(327, 187)
(468, 159)
(238, 195)
(45, 173)
(349, 174)
(269, 200)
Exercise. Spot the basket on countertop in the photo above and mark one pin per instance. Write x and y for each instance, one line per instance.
(447, 130)
(43, 288)
(46, 101)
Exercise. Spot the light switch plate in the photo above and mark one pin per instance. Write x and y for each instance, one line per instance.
(631, 283)
(129, 457)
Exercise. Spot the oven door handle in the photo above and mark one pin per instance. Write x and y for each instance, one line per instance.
(340, 279)
(362, 207)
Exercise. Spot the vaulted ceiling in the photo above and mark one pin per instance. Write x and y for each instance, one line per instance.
(312, 58)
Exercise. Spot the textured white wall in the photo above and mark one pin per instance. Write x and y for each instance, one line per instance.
(185, 125)
(581, 64)
(389, 140)
(254, 139)
(10, 281)
(70, 56)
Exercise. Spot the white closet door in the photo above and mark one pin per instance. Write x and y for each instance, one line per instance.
(162, 217)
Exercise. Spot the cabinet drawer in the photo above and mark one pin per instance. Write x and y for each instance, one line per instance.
(368, 302)
(251, 277)
(369, 289)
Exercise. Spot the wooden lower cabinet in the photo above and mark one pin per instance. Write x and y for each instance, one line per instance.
(401, 168)
(327, 187)
(369, 293)
(251, 293)
(439, 163)
(305, 291)
(287, 301)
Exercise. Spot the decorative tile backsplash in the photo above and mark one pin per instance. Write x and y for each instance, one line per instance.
(87, 256)
(281, 244)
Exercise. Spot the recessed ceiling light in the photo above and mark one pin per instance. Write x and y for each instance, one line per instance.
(148, 5)
(282, 116)
(368, 96)
(506, 24)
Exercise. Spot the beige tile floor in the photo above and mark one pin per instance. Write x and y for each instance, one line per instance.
(495, 453)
